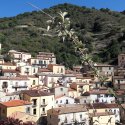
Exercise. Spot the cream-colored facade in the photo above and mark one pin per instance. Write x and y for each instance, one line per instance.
(28, 70)
(34, 81)
(67, 115)
(57, 69)
(41, 62)
(102, 119)
(14, 84)
(19, 56)
(7, 66)
(80, 87)
(40, 104)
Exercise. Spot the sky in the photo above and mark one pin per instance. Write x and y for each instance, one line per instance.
(9, 8)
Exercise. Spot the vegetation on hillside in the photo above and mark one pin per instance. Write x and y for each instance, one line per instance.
(101, 31)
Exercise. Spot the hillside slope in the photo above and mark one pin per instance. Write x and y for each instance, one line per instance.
(103, 32)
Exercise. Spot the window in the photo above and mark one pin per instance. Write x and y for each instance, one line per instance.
(43, 109)
(34, 111)
(67, 101)
(34, 102)
(61, 89)
(109, 68)
(56, 101)
(60, 101)
(34, 70)
(61, 70)
(40, 62)
(106, 95)
(5, 85)
(43, 101)
(28, 110)
(81, 116)
(34, 82)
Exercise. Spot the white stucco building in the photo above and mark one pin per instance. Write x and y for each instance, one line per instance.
(68, 115)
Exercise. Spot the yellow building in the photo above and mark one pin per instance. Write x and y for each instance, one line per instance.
(56, 68)
(108, 112)
(41, 101)
(7, 108)
(80, 87)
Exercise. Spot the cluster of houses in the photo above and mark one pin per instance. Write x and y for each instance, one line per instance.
(39, 90)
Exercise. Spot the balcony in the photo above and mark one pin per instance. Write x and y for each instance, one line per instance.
(44, 104)
(34, 105)
(43, 113)
(80, 90)
(27, 71)
(19, 86)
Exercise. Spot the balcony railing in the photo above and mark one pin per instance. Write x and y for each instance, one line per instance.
(44, 104)
(34, 105)
(26, 71)
(43, 113)
(19, 86)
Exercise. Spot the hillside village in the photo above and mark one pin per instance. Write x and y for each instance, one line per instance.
(39, 90)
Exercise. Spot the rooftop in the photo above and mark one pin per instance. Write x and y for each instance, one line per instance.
(102, 105)
(66, 110)
(36, 93)
(14, 103)
(100, 114)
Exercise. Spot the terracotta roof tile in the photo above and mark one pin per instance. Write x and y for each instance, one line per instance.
(14, 103)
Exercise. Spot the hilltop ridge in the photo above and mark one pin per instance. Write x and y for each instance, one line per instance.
(103, 32)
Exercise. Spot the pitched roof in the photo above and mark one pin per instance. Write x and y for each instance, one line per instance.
(36, 93)
(44, 70)
(99, 91)
(14, 78)
(66, 110)
(100, 114)
(9, 71)
(102, 105)
(14, 103)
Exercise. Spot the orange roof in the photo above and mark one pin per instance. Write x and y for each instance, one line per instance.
(14, 103)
